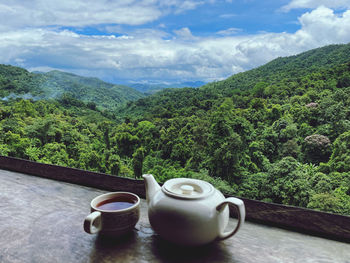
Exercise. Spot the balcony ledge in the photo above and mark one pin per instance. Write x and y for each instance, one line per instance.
(41, 221)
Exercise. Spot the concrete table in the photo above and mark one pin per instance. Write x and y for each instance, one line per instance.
(41, 220)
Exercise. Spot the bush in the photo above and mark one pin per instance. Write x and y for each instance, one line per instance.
(336, 202)
(317, 148)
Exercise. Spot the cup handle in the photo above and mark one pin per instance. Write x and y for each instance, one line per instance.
(92, 223)
(239, 205)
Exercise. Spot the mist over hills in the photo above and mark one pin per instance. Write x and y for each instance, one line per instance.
(105, 95)
(153, 88)
(16, 82)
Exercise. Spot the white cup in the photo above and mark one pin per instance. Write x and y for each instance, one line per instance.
(113, 214)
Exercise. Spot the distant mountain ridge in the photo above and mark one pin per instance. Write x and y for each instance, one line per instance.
(153, 88)
(103, 94)
(17, 82)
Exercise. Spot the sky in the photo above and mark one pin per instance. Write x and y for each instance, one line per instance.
(164, 41)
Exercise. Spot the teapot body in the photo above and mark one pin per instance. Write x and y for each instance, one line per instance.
(190, 212)
(190, 222)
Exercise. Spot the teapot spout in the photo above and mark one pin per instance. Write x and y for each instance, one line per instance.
(151, 186)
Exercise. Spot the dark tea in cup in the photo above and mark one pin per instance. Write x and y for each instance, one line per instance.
(117, 203)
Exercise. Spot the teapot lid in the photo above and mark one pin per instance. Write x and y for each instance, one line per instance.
(187, 188)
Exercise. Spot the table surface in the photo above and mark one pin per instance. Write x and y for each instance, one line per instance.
(42, 221)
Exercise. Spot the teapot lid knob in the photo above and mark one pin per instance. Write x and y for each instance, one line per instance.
(187, 189)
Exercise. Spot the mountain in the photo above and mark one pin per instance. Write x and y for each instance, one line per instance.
(153, 88)
(105, 95)
(17, 82)
(148, 88)
(281, 69)
(285, 67)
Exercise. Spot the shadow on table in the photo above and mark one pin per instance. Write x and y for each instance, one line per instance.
(107, 249)
(169, 252)
(138, 248)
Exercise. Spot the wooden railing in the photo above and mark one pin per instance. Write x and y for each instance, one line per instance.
(299, 219)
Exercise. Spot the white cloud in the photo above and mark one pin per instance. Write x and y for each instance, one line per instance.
(229, 31)
(153, 54)
(184, 33)
(323, 26)
(316, 3)
(76, 13)
(187, 5)
(80, 13)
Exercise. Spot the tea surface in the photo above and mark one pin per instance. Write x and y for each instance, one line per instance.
(115, 204)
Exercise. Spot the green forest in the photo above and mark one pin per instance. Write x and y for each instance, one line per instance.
(278, 133)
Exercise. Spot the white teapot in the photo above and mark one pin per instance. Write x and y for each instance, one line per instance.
(190, 212)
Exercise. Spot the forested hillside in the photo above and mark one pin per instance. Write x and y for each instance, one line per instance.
(282, 137)
(104, 95)
(285, 68)
(288, 142)
(16, 82)
(274, 73)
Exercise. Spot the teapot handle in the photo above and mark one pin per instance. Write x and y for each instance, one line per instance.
(239, 205)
